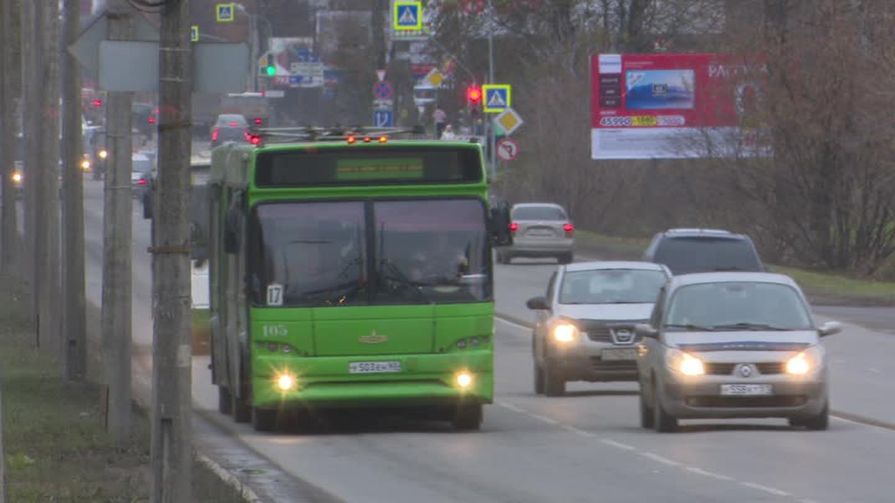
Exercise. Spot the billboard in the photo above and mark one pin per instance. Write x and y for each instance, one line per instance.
(647, 106)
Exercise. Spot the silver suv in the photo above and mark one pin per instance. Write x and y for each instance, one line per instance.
(733, 344)
(585, 323)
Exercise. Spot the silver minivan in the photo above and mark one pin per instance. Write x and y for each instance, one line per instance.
(731, 345)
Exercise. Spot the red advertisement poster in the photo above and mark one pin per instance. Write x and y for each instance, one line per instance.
(646, 106)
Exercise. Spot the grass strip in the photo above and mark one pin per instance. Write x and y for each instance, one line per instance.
(54, 437)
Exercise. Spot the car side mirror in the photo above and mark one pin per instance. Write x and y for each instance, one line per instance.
(536, 303)
(829, 328)
(499, 225)
(646, 330)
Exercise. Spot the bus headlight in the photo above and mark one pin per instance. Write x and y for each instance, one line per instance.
(463, 379)
(565, 333)
(286, 382)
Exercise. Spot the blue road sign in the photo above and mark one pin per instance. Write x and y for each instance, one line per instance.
(497, 97)
(407, 15)
(383, 90)
(295, 80)
(383, 118)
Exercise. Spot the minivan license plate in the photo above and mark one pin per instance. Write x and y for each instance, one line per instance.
(746, 389)
(374, 367)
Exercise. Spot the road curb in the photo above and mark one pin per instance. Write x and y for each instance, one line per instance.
(245, 492)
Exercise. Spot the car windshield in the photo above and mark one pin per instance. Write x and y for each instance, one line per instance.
(737, 306)
(701, 254)
(426, 251)
(538, 213)
(611, 286)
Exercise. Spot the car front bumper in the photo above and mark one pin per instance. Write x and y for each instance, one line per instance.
(700, 397)
(586, 361)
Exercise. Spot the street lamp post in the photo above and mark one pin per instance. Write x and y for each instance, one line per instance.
(492, 158)
(254, 36)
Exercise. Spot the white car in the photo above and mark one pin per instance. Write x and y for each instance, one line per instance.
(585, 323)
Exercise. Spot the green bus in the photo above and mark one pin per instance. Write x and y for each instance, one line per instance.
(351, 272)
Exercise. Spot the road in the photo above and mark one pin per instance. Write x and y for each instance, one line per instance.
(582, 447)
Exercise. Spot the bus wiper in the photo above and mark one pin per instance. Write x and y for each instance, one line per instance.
(396, 275)
(744, 325)
(690, 327)
(344, 290)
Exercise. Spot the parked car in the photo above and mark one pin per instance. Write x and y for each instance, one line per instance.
(229, 127)
(585, 322)
(703, 250)
(539, 230)
(725, 345)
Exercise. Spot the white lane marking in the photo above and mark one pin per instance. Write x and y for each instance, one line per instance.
(770, 490)
(660, 459)
(704, 473)
(511, 407)
(577, 431)
(545, 419)
(618, 445)
(513, 324)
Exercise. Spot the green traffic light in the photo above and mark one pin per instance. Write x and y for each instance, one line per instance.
(271, 70)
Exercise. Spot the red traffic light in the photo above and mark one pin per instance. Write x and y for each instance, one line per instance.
(473, 94)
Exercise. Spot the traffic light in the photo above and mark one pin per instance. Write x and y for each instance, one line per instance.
(473, 95)
(270, 67)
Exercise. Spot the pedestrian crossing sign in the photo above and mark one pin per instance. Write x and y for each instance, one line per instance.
(407, 16)
(498, 97)
(225, 12)
(194, 33)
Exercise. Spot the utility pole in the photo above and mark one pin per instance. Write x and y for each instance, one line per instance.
(74, 349)
(49, 323)
(8, 129)
(31, 61)
(117, 209)
(171, 453)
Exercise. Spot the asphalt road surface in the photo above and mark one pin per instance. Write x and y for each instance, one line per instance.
(582, 447)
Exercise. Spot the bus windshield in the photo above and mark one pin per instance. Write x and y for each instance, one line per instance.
(369, 253)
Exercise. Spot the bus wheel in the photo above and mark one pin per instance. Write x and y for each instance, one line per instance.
(223, 400)
(468, 417)
(264, 419)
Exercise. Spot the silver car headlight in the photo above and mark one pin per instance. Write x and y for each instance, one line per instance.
(806, 362)
(564, 333)
(684, 363)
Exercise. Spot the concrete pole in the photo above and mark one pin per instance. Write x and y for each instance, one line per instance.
(30, 115)
(73, 308)
(171, 450)
(117, 282)
(9, 238)
(47, 249)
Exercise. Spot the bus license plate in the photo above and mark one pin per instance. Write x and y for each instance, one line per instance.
(618, 354)
(746, 389)
(374, 367)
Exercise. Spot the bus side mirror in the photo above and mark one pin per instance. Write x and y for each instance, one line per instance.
(499, 224)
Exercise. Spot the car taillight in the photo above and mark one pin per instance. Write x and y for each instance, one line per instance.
(215, 133)
(259, 121)
(569, 228)
(151, 119)
(514, 227)
(142, 181)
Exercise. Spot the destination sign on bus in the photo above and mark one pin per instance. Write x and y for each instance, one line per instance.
(379, 169)
(368, 166)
